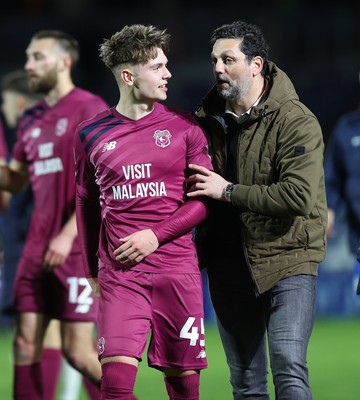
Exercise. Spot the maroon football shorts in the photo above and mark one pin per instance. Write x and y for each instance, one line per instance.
(170, 306)
(64, 294)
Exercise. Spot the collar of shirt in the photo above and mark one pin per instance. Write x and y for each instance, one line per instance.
(244, 116)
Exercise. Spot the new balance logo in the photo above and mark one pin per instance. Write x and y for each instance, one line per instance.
(202, 354)
(109, 146)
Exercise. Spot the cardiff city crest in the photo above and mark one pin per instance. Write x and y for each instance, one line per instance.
(162, 138)
(61, 126)
(101, 345)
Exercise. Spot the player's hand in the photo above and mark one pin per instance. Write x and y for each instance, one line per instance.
(136, 247)
(93, 282)
(206, 183)
(57, 251)
(330, 223)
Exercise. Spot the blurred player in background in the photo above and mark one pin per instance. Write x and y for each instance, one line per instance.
(50, 281)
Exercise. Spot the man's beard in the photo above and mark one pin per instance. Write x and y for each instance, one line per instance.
(235, 92)
(45, 84)
(232, 93)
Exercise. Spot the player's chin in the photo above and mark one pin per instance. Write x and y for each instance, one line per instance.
(162, 93)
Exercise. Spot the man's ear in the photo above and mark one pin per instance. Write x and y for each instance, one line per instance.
(258, 64)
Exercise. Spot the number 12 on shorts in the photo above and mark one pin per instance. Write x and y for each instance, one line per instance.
(191, 332)
(80, 294)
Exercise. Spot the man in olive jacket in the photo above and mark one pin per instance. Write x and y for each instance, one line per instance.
(265, 237)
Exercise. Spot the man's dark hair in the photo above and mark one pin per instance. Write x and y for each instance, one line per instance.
(69, 44)
(252, 40)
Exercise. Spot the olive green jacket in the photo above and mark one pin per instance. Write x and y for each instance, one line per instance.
(279, 194)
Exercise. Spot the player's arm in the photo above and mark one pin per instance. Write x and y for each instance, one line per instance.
(4, 195)
(191, 213)
(14, 177)
(88, 211)
(59, 247)
(88, 219)
(140, 244)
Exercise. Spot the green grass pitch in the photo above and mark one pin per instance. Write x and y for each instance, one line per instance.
(333, 361)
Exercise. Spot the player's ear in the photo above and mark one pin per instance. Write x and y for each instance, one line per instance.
(127, 77)
(66, 62)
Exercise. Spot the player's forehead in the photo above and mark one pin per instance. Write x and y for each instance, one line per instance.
(45, 46)
(160, 59)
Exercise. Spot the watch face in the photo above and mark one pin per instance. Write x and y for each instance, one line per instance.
(229, 188)
(228, 191)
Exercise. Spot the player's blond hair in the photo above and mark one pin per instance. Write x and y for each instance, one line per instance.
(134, 44)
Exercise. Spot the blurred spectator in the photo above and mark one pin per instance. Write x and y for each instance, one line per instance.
(342, 174)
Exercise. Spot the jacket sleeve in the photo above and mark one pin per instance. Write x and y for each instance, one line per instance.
(298, 163)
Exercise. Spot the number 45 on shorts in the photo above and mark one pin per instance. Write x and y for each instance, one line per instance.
(191, 332)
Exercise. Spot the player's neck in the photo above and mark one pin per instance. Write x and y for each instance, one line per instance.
(134, 111)
(58, 92)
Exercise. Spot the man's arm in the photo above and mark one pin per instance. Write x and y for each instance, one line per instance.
(295, 191)
(206, 183)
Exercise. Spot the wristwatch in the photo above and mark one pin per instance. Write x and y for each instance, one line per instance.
(227, 192)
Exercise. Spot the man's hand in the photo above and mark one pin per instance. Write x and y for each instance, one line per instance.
(57, 251)
(136, 247)
(206, 183)
(93, 282)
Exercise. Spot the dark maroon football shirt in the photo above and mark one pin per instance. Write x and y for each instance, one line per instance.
(45, 143)
(136, 171)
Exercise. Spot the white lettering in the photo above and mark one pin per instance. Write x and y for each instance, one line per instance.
(46, 150)
(136, 171)
(49, 166)
(116, 192)
(140, 190)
